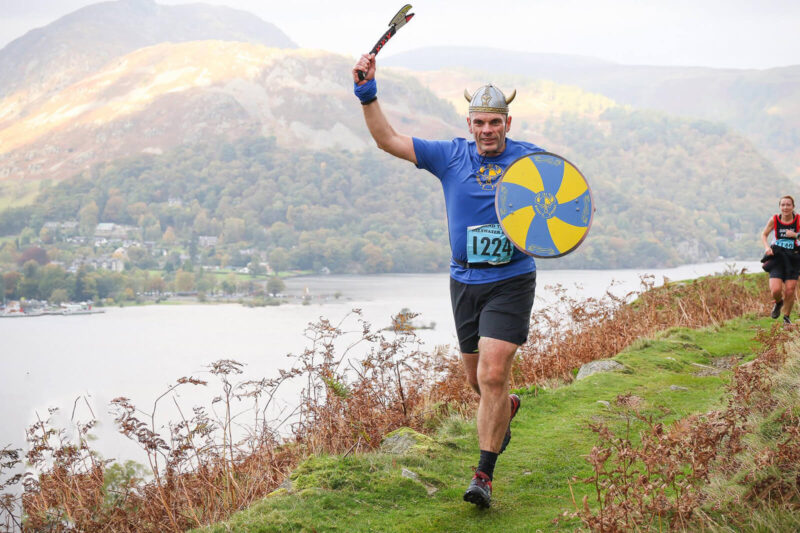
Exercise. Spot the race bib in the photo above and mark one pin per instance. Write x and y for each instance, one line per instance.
(785, 243)
(488, 244)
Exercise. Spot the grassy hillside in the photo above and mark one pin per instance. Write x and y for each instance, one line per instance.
(551, 439)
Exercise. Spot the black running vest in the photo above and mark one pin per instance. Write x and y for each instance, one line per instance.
(780, 232)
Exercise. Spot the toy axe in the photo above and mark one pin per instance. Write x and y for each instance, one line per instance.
(397, 22)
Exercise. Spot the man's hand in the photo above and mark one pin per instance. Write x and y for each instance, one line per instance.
(365, 64)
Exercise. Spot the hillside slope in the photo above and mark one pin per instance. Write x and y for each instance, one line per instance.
(537, 479)
(169, 94)
(50, 58)
(762, 104)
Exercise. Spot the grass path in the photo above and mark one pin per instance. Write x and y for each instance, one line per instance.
(550, 437)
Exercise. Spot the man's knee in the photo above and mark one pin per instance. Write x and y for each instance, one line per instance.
(492, 376)
(495, 362)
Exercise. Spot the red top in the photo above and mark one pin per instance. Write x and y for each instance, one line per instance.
(780, 227)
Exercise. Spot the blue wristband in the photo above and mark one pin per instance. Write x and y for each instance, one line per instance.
(367, 93)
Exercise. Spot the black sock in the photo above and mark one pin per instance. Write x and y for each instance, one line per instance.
(486, 463)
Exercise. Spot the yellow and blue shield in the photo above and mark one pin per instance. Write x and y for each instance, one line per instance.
(544, 205)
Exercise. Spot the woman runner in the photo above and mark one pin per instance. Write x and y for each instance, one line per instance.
(784, 252)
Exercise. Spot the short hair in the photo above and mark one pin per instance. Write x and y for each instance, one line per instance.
(787, 196)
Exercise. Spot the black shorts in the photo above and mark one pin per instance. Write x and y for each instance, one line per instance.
(785, 266)
(499, 310)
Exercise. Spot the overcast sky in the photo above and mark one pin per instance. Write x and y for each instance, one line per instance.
(715, 33)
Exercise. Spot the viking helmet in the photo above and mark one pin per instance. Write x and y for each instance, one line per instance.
(489, 99)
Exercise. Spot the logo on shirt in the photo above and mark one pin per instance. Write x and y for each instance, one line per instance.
(545, 204)
(488, 176)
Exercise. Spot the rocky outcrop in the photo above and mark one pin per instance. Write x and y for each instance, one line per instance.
(594, 367)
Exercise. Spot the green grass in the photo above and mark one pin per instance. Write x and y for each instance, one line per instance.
(531, 488)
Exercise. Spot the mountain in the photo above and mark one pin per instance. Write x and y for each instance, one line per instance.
(271, 141)
(668, 191)
(49, 59)
(762, 104)
(171, 94)
(275, 138)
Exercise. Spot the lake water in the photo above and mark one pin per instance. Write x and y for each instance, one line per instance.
(136, 352)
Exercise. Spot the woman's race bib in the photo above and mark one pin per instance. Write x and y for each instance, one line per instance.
(488, 244)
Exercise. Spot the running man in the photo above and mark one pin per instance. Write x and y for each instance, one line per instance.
(785, 247)
(491, 282)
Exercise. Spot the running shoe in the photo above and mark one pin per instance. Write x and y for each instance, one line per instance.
(786, 321)
(479, 491)
(515, 403)
(776, 310)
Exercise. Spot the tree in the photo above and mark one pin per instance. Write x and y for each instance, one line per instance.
(201, 223)
(136, 210)
(279, 259)
(115, 210)
(51, 278)
(155, 284)
(227, 153)
(184, 281)
(137, 254)
(374, 260)
(282, 235)
(27, 236)
(228, 285)
(234, 229)
(34, 253)
(205, 284)
(255, 268)
(169, 236)
(152, 233)
(30, 269)
(104, 284)
(58, 296)
(11, 281)
(87, 218)
(85, 286)
(46, 235)
(275, 285)
(193, 247)
(8, 253)
(29, 284)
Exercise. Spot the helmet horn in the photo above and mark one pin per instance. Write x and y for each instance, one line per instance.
(467, 96)
(511, 97)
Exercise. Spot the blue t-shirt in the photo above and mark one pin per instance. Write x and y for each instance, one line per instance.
(469, 181)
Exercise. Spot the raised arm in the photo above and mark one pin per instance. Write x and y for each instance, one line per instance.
(385, 136)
